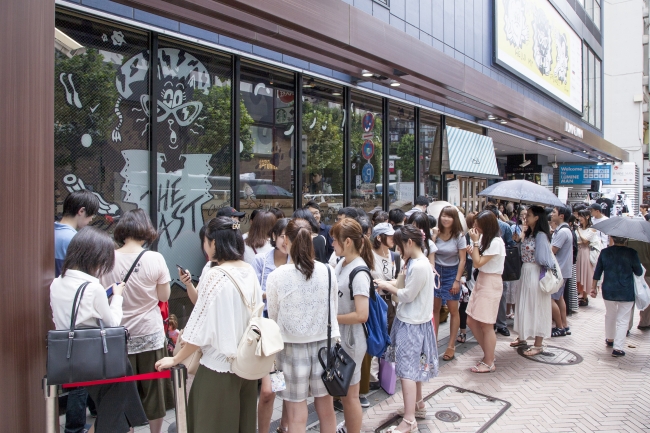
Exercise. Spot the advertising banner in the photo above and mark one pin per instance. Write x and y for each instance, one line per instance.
(533, 41)
(624, 174)
(584, 174)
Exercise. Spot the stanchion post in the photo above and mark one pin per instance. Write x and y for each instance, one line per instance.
(51, 407)
(179, 376)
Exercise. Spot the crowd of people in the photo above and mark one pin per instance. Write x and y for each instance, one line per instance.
(305, 274)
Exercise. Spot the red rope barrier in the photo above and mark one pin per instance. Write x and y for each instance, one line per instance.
(146, 376)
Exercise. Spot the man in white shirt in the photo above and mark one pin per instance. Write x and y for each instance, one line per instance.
(596, 217)
(562, 246)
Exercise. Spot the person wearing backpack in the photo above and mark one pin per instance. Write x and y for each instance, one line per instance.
(216, 325)
(296, 293)
(355, 249)
(414, 348)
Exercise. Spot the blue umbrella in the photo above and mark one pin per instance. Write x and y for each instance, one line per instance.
(522, 191)
(625, 227)
(270, 191)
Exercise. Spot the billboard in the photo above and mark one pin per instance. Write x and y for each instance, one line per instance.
(533, 41)
(584, 174)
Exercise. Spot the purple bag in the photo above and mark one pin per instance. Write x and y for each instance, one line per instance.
(387, 376)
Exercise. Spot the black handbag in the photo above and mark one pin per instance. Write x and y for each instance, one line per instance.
(82, 355)
(512, 264)
(339, 367)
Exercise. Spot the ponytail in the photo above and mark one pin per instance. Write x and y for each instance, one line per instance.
(366, 253)
(302, 247)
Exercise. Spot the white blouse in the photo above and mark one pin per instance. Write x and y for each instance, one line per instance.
(220, 317)
(416, 299)
(94, 303)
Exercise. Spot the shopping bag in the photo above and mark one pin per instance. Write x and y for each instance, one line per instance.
(387, 376)
(641, 291)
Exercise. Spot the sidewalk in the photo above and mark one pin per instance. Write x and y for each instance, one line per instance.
(601, 393)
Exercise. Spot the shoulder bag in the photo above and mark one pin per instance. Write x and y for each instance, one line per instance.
(551, 280)
(82, 355)
(259, 343)
(339, 366)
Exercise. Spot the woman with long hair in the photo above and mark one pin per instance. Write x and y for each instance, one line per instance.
(91, 255)
(420, 220)
(265, 264)
(258, 241)
(216, 325)
(147, 286)
(296, 294)
(414, 348)
(584, 268)
(488, 254)
(533, 315)
(355, 250)
(469, 284)
(319, 241)
(450, 265)
(515, 286)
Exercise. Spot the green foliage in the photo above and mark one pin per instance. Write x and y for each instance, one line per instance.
(324, 142)
(405, 150)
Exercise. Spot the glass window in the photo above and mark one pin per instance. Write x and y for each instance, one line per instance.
(597, 14)
(401, 160)
(267, 137)
(592, 88)
(599, 102)
(323, 124)
(456, 123)
(101, 116)
(589, 8)
(366, 151)
(429, 173)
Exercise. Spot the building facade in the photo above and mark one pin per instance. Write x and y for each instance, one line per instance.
(258, 104)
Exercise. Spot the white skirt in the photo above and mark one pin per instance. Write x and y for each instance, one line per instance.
(533, 312)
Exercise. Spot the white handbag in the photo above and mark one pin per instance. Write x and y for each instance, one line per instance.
(641, 291)
(259, 343)
(552, 280)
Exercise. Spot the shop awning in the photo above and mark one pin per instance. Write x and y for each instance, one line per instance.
(471, 153)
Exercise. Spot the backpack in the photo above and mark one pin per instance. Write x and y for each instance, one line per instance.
(259, 343)
(376, 327)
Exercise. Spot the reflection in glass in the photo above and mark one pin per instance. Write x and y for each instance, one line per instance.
(266, 140)
(322, 146)
(598, 101)
(366, 151)
(429, 173)
(592, 88)
(401, 156)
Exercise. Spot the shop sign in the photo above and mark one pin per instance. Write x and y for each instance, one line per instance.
(453, 192)
(367, 173)
(584, 174)
(624, 174)
(573, 130)
(284, 116)
(391, 166)
(285, 96)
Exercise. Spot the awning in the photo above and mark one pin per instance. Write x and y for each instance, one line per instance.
(471, 153)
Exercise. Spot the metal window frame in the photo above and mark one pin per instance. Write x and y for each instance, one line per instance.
(297, 140)
(153, 130)
(235, 123)
(385, 133)
(347, 148)
(416, 153)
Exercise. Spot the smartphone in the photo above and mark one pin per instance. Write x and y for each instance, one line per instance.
(109, 291)
(180, 268)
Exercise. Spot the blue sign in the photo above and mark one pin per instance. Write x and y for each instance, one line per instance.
(367, 173)
(584, 174)
(368, 149)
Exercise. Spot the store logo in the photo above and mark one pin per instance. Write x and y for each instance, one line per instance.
(476, 161)
(573, 130)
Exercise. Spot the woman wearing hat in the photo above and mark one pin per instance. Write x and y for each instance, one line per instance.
(387, 262)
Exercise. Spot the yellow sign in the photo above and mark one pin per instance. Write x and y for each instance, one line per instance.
(534, 41)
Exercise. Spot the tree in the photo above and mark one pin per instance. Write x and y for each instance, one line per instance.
(322, 128)
(405, 151)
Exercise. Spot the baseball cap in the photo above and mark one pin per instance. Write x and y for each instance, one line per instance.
(382, 229)
(596, 206)
(230, 212)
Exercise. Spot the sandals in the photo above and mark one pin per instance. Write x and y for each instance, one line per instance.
(518, 343)
(281, 429)
(567, 330)
(449, 354)
(413, 427)
(583, 302)
(534, 350)
(558, 332)
(617, 353)
(462, 337)
(419, 413)
(477, 368)
(510, 316)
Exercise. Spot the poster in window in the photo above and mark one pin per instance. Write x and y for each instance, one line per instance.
(533, 41)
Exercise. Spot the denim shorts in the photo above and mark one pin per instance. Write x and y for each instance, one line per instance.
(447, 278)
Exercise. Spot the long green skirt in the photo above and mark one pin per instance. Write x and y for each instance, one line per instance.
(221, 402)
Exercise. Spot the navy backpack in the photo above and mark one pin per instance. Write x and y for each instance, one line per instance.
(376, 328)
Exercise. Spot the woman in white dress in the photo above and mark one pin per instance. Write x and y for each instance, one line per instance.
(533, 315)
(584, 268)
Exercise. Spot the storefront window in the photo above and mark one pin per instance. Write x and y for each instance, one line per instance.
(366, 143)
(401, 162)
(429, 174)
(266, 142)
(323, 125)
(592, 89)
(100, 121)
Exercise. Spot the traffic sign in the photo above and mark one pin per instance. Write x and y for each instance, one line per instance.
(368, 122)
(368, 173)
(368, 149)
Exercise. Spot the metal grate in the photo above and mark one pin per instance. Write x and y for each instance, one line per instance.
(553, 355)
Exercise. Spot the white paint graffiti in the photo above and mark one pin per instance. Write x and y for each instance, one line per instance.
(73, 183)
(118, 38)
(71, 97)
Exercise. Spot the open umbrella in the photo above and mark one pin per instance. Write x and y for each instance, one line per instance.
(435, 208)
(268, 190)
(625, 227)
(523, 191)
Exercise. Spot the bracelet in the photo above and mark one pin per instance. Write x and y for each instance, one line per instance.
(476, 244)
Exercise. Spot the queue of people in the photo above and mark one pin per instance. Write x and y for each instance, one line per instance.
(305, 274)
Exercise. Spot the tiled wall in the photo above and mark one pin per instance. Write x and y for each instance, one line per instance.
(460, 28)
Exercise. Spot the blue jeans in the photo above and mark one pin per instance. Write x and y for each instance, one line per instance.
(75, 412)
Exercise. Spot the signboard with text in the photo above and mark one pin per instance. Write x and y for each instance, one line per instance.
(584, 174)
(624, 174)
